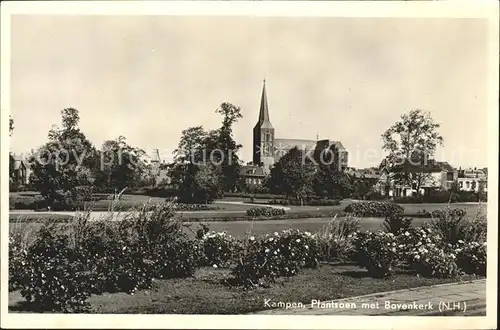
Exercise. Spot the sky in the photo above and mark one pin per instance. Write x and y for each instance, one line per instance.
(347, 79)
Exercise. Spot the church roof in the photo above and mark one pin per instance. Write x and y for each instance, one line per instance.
(264, 121)
(292, 143)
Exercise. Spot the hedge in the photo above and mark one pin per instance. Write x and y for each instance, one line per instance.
(264, 212)
(256, 196)
(374, 209)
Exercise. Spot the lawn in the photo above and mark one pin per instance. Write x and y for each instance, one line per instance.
(208, 293)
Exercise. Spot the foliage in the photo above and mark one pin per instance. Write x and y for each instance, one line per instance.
(265, 258)
(395, 223)
(215, 148)
(64, 162)
(68, 263)
(377, 252)
(207, 182)
(196, 183)
(311, 202)
(57, 276)
(120, 165)
(435, 261)
(255, 195)
(220, 249)
(413, 238)
(264, 212)
(292, 175)
(454, 225)
(471, 257)
(330, 182)
(411, 140)
(374, 209)
(194, 207)
(335, 241)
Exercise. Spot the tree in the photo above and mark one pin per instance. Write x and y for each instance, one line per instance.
(411, 142)
(206, 181)
(224, 142)
(191, 144)
(196, 183)
(121, 165)
(329, 180)
(63, 165)
(292, 175)
(216, 148)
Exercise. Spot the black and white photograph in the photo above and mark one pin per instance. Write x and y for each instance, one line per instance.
(185, 163)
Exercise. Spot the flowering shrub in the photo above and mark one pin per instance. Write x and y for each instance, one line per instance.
(471, 257)
(57, 276)
(377, 252)
(431, 260)
(265, 258)
(17, 264)
(264, 212)
(412, 239)
(374, 209)
(220, 249)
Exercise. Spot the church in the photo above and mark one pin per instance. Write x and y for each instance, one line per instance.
(268, 149)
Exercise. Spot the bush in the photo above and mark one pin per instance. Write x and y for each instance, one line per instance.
(255, 196)
(396, 223)
(454, 225)
(194, 207)
(264, 259)
(17, 264)
(471, 257)
(374, 209)
(25, 202)
(412, 239)
(434, 261)
(220, 249)
(443, 196)
(57, 274)
(377, 252)
(264, 212)
(336, 240)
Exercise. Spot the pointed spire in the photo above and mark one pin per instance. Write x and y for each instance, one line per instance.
(264, 109)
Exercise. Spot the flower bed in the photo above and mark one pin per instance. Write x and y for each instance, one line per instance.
(311, 202)
(194, 207)
(63, 265)
(265, 258)
(264, 212)
(374, 209)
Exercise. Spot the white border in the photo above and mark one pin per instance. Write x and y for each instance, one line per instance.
(478, 9)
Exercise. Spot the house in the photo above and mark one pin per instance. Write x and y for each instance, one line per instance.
(20, 169)
(253, 175)
(434, 175)
(472, 179)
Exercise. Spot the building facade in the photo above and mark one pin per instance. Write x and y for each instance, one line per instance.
(267, 149)
(472, 180)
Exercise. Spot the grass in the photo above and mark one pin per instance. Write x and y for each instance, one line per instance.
(207, 293)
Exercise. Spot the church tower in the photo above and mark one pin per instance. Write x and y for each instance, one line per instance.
(263, 136)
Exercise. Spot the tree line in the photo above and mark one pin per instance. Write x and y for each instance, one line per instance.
(69, 167)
